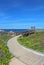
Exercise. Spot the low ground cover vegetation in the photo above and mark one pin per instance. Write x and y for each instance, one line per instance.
(34, 41)
(5, 55)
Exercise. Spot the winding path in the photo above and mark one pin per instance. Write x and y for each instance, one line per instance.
(27, 56)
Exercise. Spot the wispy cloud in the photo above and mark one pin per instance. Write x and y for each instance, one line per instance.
(37, 8)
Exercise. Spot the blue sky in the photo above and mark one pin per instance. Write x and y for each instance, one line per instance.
(20, 14)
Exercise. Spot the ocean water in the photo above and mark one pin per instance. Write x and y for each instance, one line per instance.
(15, 30)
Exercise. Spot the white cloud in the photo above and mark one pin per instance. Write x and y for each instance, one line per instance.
(34, 8)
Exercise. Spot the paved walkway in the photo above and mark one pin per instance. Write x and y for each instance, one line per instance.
(27, 56)
(15, 61)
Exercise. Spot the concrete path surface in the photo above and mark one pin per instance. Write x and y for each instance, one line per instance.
(27, 56)
(15, 61)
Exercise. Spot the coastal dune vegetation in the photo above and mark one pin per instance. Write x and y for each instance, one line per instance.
(5, 55)
(34, 41)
